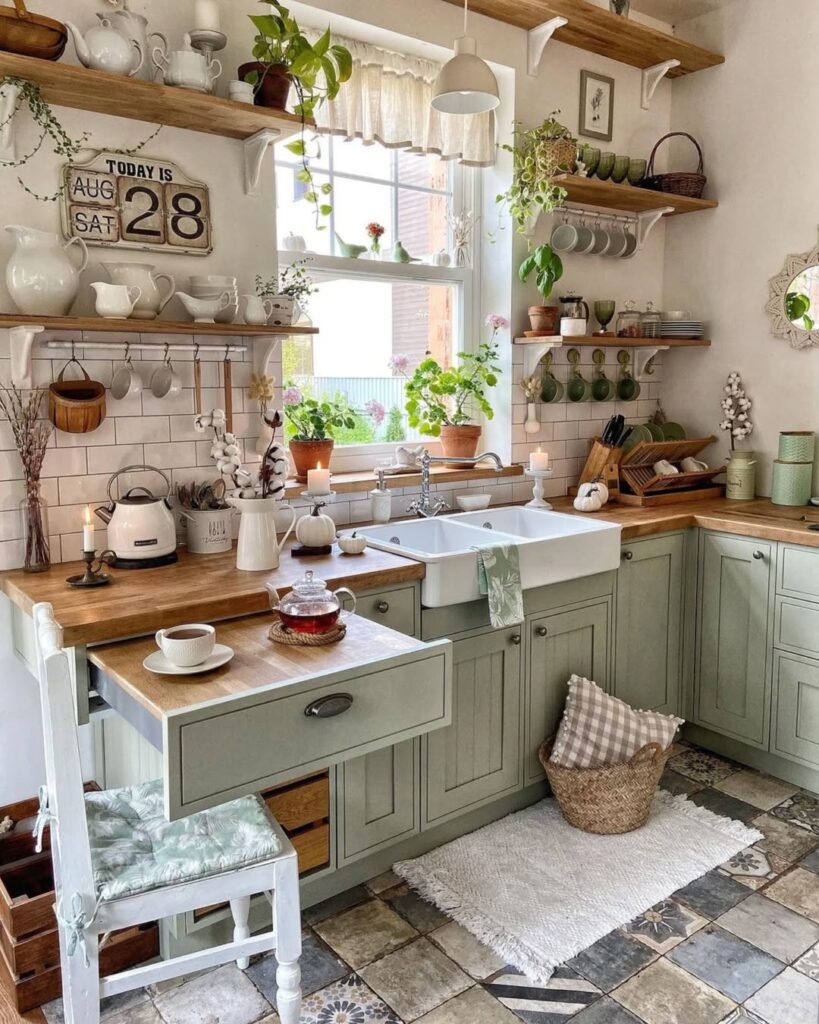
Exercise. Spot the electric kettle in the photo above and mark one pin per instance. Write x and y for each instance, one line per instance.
(141, 527)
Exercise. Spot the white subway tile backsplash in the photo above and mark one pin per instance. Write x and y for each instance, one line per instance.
(141, 429)
(10, 466)
(171, 406)
(176, 454)
(110, 458)
(62, 462)
(75, 489)
(104, 434)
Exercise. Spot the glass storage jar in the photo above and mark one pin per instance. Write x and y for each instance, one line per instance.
(628, 321)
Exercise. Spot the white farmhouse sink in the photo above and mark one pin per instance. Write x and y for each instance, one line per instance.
(553, 548)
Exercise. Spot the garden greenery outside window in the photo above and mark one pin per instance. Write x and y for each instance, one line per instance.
(372, 311)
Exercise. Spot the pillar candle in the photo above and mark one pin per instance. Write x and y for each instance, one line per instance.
(206, 15)
(538, 461)
(318, 481)
(88, 531)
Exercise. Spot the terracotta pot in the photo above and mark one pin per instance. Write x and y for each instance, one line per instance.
(273, 86)
(308, 454)
(544, 319)
(460, 442)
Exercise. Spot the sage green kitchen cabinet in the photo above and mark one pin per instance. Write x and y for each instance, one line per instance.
(649, 616)
(795, 732)
(736, 576)
(478, 757)
(563, 643)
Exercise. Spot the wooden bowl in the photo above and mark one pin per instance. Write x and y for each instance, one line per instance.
(31, 35)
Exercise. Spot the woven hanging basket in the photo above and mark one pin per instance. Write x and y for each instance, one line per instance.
(678, 183)
(609, 800)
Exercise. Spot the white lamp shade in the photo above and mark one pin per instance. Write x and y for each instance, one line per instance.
(465, 84)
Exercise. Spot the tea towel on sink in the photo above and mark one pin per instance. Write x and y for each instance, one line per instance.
(499, 580)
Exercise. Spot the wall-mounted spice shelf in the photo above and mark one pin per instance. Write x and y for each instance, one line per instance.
(627, 198)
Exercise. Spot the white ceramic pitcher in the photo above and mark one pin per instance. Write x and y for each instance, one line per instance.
(40, 275)
(151, 301)
(259, 548)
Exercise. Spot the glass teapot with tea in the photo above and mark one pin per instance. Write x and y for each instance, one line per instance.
(311, 607)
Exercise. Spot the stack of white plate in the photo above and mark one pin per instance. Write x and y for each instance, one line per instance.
(689, 329)
(211, 286)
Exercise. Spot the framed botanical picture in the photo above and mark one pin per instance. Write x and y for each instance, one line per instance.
(596, 106)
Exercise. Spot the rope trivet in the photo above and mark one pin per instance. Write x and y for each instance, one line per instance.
(280, 634)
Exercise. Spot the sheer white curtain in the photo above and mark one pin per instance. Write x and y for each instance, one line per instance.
(388, 100)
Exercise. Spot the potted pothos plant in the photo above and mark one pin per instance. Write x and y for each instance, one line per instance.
(539, 154)
(441, 402)
(284, 56)
(547, 267)
(312, 425)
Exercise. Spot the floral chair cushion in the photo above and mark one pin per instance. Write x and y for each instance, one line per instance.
(134, 849)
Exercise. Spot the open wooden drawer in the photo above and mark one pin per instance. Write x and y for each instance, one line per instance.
(252, 723)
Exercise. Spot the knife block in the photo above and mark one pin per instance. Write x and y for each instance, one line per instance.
(603, 463)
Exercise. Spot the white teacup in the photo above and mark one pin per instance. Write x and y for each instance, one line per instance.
(188, 645)
(665, 468)
(690, 465)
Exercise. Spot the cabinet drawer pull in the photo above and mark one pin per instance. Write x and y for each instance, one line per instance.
(542, 631)
(329, 706)
(628, 555)
(759, 555)
(383, 607)
(515, 639)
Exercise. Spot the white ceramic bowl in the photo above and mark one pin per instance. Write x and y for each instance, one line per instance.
(675, 314)
(472, 502)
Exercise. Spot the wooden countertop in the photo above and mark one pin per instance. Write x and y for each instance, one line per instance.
(203, 588)
(258, 662)
(198, 588)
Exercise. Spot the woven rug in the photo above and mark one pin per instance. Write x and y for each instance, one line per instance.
(537, 891)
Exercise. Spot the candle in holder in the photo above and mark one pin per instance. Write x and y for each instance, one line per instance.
(88, 531)
(538, 461)
(318, 481)
(206, 16)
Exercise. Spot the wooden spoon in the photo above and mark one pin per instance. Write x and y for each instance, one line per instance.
(228, 395)
(197, 382)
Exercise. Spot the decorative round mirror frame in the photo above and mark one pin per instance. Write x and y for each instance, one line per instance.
(795, 264)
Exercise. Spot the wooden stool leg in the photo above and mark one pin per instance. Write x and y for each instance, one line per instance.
(287, 923)
(81, 984)
(240, 908)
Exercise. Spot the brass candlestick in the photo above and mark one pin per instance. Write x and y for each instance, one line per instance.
(93, 575)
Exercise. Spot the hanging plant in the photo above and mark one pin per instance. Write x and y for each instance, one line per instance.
(539, 154)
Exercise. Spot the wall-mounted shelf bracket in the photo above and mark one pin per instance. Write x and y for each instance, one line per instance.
(9, 94)
(646, 220)
(644, 358)
(255, 149)
(534, 349)
(538, 38)
(263, 349)
(651, 79)
(21, 341)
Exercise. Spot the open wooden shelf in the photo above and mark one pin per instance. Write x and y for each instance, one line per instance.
(97, 91)
(596, 341)
(96, 323)
(626, 198)
(599, 31)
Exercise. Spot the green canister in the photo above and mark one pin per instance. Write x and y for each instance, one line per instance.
(791, 482)
(740, 476)
(797, 446)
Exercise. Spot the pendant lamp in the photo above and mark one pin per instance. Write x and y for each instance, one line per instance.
(465, 84)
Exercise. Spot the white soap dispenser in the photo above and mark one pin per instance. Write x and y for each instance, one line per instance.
(380, 501)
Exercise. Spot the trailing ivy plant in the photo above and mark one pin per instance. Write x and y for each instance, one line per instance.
(317, 70)
(539, 154)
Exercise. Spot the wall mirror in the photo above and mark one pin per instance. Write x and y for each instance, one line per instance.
(794, 301)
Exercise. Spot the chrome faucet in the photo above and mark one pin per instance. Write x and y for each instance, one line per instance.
(425, 506)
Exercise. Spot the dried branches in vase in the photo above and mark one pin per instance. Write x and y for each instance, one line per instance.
(31, 435)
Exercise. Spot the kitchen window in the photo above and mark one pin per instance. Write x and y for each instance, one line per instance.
(370, 310)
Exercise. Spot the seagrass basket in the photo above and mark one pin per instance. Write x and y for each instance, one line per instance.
(678, 183)
(609, 800)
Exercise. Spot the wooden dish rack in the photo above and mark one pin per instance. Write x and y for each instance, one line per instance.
(631, 479)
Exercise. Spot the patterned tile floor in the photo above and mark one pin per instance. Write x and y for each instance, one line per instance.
(740, 944)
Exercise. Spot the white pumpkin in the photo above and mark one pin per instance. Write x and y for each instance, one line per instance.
(317, 529)
(591, 497)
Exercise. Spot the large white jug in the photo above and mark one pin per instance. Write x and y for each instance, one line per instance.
(259, 548)
(40, 275)
(151, 301)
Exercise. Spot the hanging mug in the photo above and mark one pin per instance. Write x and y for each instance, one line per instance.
(628, 389)
(602, 389)
(578, 389)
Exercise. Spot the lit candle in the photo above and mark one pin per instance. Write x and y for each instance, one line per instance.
(538, 461)
(206, 16)
(318, 481)
(88, 531)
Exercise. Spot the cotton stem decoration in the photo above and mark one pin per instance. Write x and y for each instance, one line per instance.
(227, 454)
(462, 225)
(736, 407)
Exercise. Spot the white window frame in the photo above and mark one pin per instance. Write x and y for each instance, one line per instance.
(466, 194)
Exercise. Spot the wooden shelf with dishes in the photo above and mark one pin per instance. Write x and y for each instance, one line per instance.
(611, 341)
(597, 30)
(98, 92)
(608, 195)
(96, 323)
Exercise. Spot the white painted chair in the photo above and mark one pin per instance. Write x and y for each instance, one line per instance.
(105, 881)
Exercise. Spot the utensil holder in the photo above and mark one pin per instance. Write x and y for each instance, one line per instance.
(603, 463)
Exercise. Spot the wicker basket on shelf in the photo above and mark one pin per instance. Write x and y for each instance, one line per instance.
(678, 183)
(609, 800)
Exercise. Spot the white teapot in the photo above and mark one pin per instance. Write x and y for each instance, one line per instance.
(187, 67)
(105, 48)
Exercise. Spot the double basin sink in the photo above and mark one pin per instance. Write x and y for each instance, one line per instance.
(553, 547)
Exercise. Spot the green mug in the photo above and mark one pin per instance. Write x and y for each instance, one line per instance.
(551, 389)
(628, 389)
(578, 389)
(602, 389)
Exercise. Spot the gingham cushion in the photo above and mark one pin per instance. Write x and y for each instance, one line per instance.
(598, 729)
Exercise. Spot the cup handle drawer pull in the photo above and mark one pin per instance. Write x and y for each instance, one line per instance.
(329, 706)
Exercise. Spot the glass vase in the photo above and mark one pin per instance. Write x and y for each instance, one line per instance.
(34, 517)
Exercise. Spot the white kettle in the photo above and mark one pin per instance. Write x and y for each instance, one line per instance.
(141, 526)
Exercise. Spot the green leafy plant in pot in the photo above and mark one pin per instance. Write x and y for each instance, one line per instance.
(311, 426)
(441, 402)
(284, 56)
(547, 267)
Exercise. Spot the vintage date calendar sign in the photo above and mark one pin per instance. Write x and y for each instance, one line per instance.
(135, 202)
